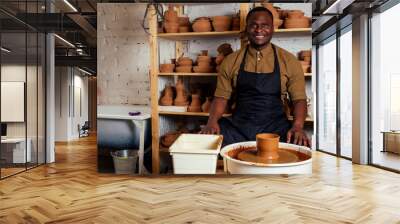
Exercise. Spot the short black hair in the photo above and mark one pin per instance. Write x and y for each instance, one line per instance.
(259, 9)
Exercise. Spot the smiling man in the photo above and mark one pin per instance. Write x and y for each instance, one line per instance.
(258, 77)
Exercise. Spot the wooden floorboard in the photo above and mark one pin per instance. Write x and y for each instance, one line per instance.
(71, 191)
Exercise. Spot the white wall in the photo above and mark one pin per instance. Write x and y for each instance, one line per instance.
(67, 114)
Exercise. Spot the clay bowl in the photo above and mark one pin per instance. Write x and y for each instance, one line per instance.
(185, 61)
(294, 14)
(167, 68)
(202, 25)
(184, 21)
(202, 69)
(184, 69)
(297, 23)
(267, 145)
(171, 27)
(184, 29)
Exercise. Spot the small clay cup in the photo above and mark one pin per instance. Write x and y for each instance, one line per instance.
(267, 145)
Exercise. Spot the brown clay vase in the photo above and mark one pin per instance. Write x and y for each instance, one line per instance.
(195, 105)
(167, 99)
(181, 97)
(171, 15)
(206, 105)
(267, 145)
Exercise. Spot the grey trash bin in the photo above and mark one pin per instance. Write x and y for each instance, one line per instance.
(125, 161)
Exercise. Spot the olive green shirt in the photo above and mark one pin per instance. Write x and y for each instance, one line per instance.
(292, 76)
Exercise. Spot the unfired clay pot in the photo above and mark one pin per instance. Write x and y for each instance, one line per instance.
(292, 23)
(167, 68)
(195, 105)
(184, 69)
(181, 97)
(167, 99)
(236, 23)
(206, 105)
(185, 61)
(221, 23)
(171, 15)
(171, 27)
(184, 29)
(183, 21)
(294, 14)
(203, 69)
(267, 145)
(202, 25)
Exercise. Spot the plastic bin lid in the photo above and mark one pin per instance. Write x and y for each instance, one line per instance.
(197, 144)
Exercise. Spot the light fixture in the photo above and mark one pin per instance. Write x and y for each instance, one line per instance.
(70, 5)
(337, 7)
(84, 71)
(5, 50)
(64, 40)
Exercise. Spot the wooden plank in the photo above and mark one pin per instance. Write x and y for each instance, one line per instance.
(244, 9)
(187, 74)
(155, 127)
(297, 30)
(196, 35)
(188, 113)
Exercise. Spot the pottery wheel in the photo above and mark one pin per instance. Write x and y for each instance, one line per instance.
(285, 156)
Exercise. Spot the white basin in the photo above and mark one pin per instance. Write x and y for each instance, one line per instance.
(235, 166)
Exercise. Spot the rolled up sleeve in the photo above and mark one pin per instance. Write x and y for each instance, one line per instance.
(296, 83)
(224, 80)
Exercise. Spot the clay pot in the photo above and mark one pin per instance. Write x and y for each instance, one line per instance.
(185, 61)
(271, 8)
(171, 27)
(277, 23)
(167, 98)
(297, 23)
(203, 69)
(169, 138)
(184, 21)
(195, 105)
(206, 105)
(181, 97)
(167, 68)
(236, 23)
(294, 14)
(267, 145)
(306, 53)
(184, 29)
(219, 59)
(221, 23)
(203, 64)
(184, 69)
(202, 25)
(171, 15)
(202, 58)
(225, 49)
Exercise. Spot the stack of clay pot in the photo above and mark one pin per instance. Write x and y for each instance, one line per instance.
(236, 22)
(202, 24)
(277, 21)
(181, 96)
(203, 63)
(184, 65)
(305, 60)
(184, 24)
(167, 68)
(195, 105)
(296, 19)
(171, 20)
(221, 23)
(167, 96)
(223, 50)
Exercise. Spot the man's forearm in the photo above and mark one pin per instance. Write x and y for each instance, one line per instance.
(300, 113)
(217, 109)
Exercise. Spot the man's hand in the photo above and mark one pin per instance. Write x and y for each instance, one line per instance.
(298, 136)
(210, 129)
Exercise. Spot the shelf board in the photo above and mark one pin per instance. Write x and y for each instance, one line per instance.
(192, 35)
(293, 30)
(307, 74)
(187, 74)
(202, 114)
(308, 119)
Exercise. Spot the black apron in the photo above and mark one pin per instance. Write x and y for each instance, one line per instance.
(259, 108)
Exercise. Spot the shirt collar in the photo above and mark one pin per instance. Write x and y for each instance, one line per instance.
(263, 53)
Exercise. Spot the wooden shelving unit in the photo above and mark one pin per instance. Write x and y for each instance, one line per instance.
(156, 77)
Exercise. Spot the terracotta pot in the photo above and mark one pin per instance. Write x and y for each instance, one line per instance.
(219, 59)
(277, 23)
(221, 23)
(306, 53)
(283, 14)
(202, 25)
(267, 145)
(195, 105)
(171, 15)
(203, 69)
(185, 61)
(235, 23)
(297, 23)
(167, 98)
(169, 138)
(184, 29)
(181, 97)
(271, 8)
(184, 21)
(171, 27)
(294, 14)
(203, 64)
(167, 68)
(206, 105)
(225, 49)
(202, 58)
(184, 69)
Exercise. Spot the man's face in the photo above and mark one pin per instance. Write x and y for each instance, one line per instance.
(260, 29)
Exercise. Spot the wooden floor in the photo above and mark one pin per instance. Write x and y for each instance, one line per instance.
(71, 191)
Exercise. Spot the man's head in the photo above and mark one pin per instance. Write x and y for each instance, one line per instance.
(259, 27)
